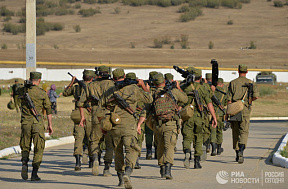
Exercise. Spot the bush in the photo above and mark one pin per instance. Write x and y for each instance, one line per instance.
(89, 12)
(184, 37)
(57, 26)
(22, 20)
(106, 1)
(56, 46)
(158, 43)
(61, 12)
(184, 41)
(211, 45)
(252, 45)
(278, 4)
(177, 2)
(198, 3)
(132, 45)
(7, 19)
(21, 13)
(231, 4)
(117, 10)
(184, 8)
(13, 28)
(77, 6)
(191, 15)
(4, 46)
(213, 3)
(265, 90)
(245, 1)
(51, 4)
(164, 3)
(166, 40)
(5, 12)
(230, 22)
(284, 152)
(90, 1)
(77, 28)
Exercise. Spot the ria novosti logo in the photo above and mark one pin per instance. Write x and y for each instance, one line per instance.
(222, 177)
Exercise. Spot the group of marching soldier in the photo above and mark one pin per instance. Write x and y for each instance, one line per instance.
(115, 111)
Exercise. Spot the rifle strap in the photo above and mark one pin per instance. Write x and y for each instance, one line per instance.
(245, 94)
(222, 96)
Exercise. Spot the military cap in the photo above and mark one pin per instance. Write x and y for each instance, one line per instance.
(118, 72)
(220, 80)
(103, 69)
(191, 69)
(151, 74)
(35, 75)
(168, 76)
(131, 75)
(242, 68)
(159, 78)
(89, 73)
(197, 72)
(16, 80)
(208, 75)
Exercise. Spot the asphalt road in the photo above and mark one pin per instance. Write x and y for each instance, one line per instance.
(57, 168)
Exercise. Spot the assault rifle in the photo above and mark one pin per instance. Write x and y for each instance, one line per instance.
(190, 78)
(123, 104)
(218, 103)
(81, 83)
(31, 105)
(198, 102)
(92, 98)
(215, 72)
(250, 93)
(127, 81)
(102, 74)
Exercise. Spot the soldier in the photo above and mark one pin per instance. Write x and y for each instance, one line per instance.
(165, 109)
(32, 126)
(217, 133)
(240, 128)
(140, 112)
(148, 132)
(80, 133)
(15, 95)
(125, 133)
(96, 90)
(193, 128)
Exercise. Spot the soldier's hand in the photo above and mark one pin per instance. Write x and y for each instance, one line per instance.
(213, 88)
(139, 129)
(148, 86)
(82, 122)
(50, 129)
(140, 82)
(214, 123)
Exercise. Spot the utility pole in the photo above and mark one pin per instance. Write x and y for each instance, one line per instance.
(30, 37)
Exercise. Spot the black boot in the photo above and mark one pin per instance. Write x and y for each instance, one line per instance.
(240, 153)
(162, 171)
(149, 152)
(120, 177)
(126, 177)
(137, 164)
(219, 149)
(34, 176)
(187, 159)
(197, 162)
(168, 171)
(95, 168)
(106, 172)
(91, 161)
(24, 172)
(78, 163)
(237, 156)
(214, 146)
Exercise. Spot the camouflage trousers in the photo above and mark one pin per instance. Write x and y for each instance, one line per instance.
(192, 131)
(166, 136)
(217, 133)
(32, 131)
(240, 131)
(141, 137)
(130, 144)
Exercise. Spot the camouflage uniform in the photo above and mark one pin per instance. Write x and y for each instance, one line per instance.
(192, 130)
(17, 102)
(240, 129)
(81, 134)
(166, 132)
(217, 133)
(31, 129)
(97, 88)
(125, 133)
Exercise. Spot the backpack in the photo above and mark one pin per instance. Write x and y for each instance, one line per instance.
(164, 106)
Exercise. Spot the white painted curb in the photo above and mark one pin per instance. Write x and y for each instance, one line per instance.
(48, 143)
(269, 118)
(277, 159)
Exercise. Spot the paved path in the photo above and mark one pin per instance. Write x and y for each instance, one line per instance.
(57, 169)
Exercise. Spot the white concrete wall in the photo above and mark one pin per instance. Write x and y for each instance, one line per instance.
(61, 74)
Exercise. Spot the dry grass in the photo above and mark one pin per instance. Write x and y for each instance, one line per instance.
(107, 36)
